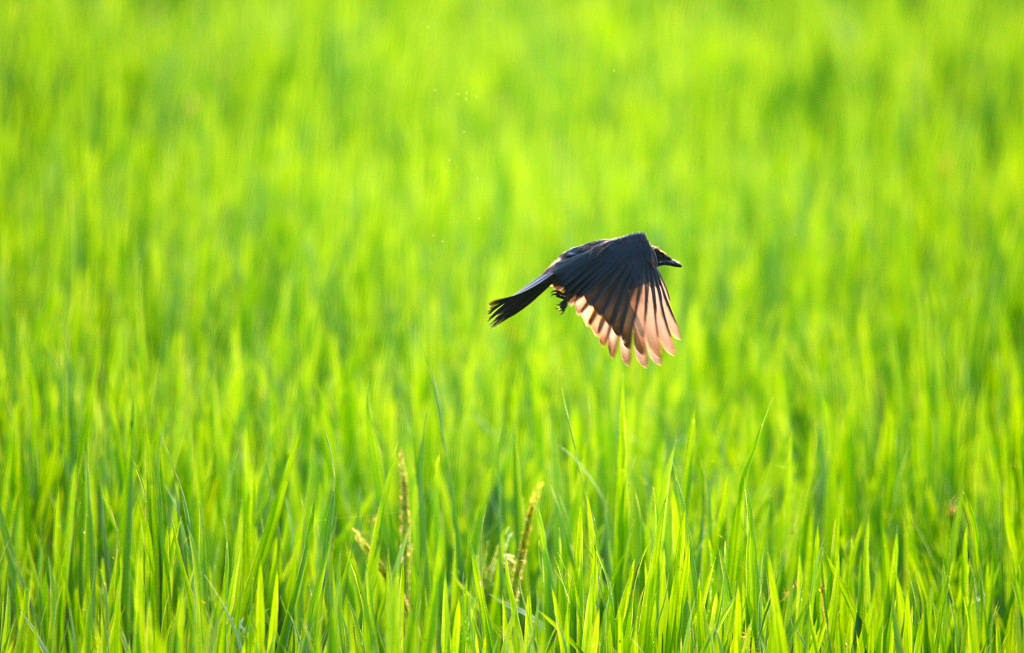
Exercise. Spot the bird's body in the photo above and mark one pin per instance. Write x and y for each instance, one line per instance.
(615, 286)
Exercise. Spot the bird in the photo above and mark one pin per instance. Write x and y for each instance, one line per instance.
(615, 286)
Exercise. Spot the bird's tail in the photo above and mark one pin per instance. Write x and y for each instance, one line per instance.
(506, 307)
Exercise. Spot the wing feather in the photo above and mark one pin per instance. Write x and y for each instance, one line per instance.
(658, 318)
(667, 317)
(670, 317)
(619, 313)
(607, 309)
(639, 336)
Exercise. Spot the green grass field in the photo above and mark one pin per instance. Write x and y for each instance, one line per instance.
(246, 251)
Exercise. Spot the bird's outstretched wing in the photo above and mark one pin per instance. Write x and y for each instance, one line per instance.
(621, 296)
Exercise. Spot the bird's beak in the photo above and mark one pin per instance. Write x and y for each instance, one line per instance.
(674, 263)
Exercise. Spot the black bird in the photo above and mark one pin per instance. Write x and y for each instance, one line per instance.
(615, 287)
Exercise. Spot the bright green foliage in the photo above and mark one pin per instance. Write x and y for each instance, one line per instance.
(245, 255)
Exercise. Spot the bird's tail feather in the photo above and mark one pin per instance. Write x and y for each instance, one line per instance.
(506, 307)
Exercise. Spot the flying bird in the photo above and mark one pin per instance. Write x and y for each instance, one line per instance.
(615, 286)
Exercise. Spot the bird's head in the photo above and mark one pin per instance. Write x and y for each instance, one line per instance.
(665, 259)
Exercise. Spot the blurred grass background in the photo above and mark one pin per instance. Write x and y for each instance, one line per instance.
(245, 255)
